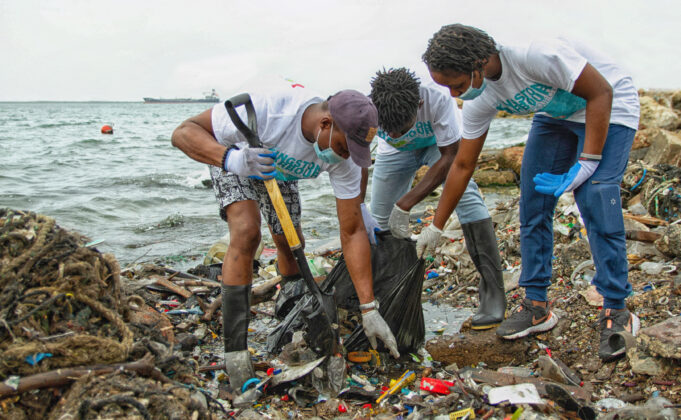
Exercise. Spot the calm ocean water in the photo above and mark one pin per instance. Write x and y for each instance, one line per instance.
(132, 189)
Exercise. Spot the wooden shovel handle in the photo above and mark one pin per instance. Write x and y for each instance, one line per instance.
(283, 214)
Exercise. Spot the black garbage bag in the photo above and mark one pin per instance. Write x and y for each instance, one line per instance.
(390, 259)
(305, 316)
(398, 279)
(401, 309)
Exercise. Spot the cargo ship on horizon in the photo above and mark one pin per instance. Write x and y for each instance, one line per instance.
(212, 97)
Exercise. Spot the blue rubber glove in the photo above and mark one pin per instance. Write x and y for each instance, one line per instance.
(256, 162)
(551, 184)
(370, 224)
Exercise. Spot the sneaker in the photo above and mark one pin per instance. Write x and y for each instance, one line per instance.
(525, 320)
(612, 321)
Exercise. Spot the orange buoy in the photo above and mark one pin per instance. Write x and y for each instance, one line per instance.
(107, 129)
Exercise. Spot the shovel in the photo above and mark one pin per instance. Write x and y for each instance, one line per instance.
(324, 319)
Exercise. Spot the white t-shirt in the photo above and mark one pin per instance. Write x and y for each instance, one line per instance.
(279, 116)
(438, 121)
(539, 77)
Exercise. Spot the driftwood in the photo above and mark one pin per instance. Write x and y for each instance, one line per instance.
(503, 379)
(646, 220)
(204, 283)
(259, 294)
(642, 235)
(165, 282)
(61, 377)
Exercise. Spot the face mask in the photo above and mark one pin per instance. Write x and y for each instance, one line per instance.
(327, 155)
(472, 92)
(403, 136)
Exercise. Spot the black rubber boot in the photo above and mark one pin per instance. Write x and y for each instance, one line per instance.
(481, 243)
(236, 311)
(292, 288)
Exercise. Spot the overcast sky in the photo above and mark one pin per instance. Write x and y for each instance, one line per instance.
(124, 50)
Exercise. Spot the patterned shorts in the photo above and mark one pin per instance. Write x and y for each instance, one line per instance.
(230, 188)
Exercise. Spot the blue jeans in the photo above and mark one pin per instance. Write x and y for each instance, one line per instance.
(392, 178)
(553, 146)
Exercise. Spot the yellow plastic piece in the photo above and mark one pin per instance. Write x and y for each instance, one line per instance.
(375, 355)
(466, 413)
(396, 385)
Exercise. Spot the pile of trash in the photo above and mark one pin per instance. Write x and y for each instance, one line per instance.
(170, 363)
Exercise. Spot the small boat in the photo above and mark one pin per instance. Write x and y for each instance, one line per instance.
(211, 97)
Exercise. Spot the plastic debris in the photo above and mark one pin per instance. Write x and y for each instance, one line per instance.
(35, 358)
(515, 394)
(435, 385)
(404, 380)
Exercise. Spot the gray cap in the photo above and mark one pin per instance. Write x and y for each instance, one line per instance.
(355, 114)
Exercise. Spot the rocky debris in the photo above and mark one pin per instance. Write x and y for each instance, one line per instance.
(512, 158)
(472, 347)
(664, 339)
(670, 241)
(656, 115)
(665, 147)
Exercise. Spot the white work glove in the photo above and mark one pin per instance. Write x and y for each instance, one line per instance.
(551, 184)
(399, 223)
(370, 224)
(375, 326)
(253, 162)
(427, 240)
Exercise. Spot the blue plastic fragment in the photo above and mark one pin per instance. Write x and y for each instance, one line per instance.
(195, 310)
(432, 274)
(248, 383)
(36, 358)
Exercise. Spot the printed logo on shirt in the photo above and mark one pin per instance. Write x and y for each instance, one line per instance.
(420, 136)
(538, 97)
(290, 168)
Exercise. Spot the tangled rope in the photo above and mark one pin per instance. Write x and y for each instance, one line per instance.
(659, 187)
(58, 299)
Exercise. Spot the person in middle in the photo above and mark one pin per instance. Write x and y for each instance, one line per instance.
(419, 124)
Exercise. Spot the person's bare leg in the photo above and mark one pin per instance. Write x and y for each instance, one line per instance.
(243, 218)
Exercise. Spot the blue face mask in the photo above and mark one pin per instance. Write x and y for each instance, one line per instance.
(327, 155)
(472, 92)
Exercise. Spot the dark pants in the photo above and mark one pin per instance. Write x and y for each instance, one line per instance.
(553, 146)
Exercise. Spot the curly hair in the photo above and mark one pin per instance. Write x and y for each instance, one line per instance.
(459, 48)
(395, 92)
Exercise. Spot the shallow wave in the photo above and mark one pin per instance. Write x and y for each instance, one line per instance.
(65, 124)
(160, 181)
(173, 221)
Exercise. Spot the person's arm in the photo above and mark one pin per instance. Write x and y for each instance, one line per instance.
(355, 245)
(195, 138)
(458, 177)
(433, 177)
(363, 184)
(358, 260)
(457, 180)
(597, 92)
